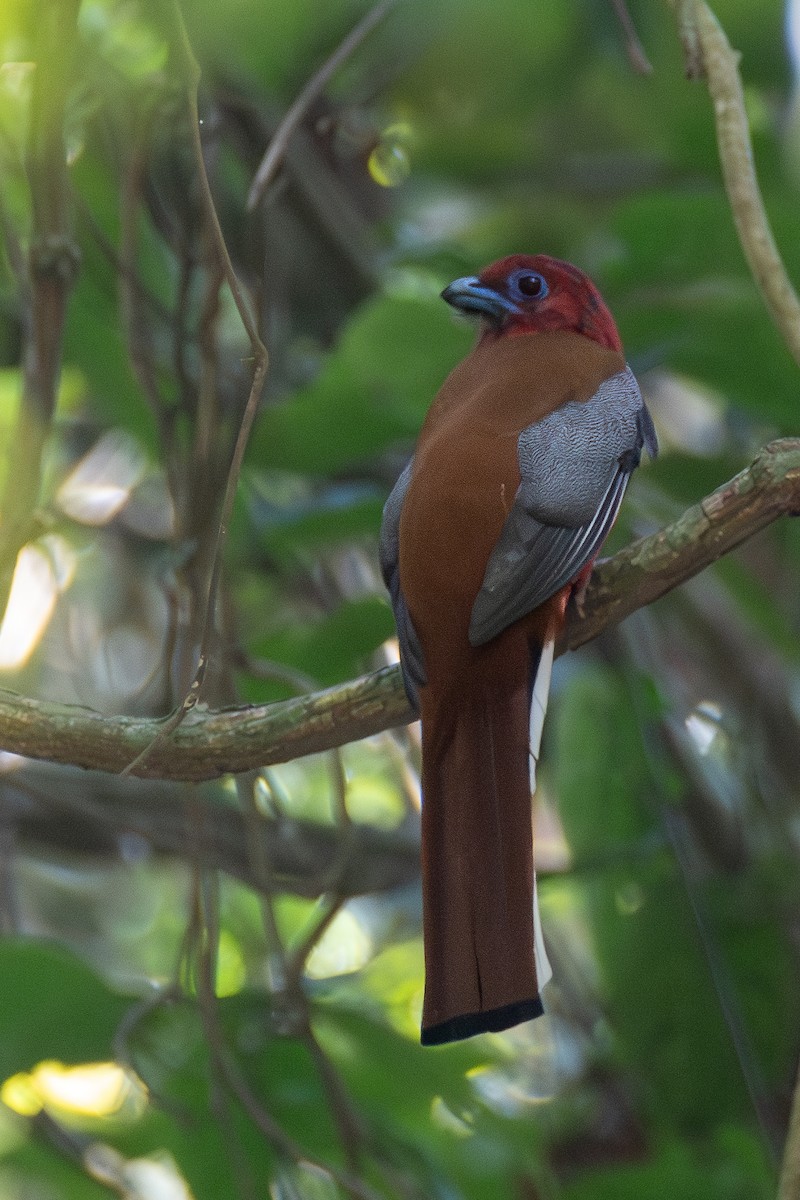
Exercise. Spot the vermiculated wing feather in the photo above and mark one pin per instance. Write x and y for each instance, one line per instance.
(574, 468)
(564, 551)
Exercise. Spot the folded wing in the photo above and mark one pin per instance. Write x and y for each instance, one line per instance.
(575, 465)
(411, 662)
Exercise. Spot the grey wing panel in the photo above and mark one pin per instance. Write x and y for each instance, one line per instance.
(574, 467)
(552, 556)
(389, 545)
(411, 662)
(567, 459)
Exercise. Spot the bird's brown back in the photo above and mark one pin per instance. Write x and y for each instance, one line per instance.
(466, 470)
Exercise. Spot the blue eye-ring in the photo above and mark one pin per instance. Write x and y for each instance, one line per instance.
(529, 284)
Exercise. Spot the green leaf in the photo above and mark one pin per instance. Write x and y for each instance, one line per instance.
(92, 342)
(599, 768)
(373, 391)
(335, 647)
(52, 1006)
(667, 1017)
(734, 1169)
(340, 514)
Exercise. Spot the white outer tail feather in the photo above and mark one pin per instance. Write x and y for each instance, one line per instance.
(541, 691)
(544, 972)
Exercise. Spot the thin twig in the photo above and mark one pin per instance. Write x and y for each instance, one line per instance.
(330, 907)
(206, 429)
(191, 72)
(636, 52)
(86, 220)
(286, 971)
(720, 65)
(263, 868)
(349, 1126)
(233, 1082)
(315, 86)
(346, 846)
(207, 919)
(355, 1188)
(124, 1051)
(286, 968)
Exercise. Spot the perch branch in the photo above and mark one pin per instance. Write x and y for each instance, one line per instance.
(210, 744)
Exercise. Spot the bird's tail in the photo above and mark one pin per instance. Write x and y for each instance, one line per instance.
(484, 955)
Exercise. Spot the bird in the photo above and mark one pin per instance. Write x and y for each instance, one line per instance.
(516, 479)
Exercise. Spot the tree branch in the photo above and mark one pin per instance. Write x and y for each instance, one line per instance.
(210, 744)
(51, 807)
(708, 52)
(637, 56)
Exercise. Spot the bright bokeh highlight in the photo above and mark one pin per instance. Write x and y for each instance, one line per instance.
(101, 484)
(89, 1090)
(44, 570)
(344, 947)
(389, 163)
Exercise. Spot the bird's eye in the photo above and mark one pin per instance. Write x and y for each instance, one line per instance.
(530, 284)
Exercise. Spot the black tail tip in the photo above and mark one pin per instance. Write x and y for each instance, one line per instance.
(455, 1029)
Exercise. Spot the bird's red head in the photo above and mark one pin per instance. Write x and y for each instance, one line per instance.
(531, 293)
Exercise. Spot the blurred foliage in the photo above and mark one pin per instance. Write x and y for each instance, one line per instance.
(275, 1035)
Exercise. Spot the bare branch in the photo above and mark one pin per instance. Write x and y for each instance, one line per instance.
(47, 805)
(636, 52)
(709, 52)
(277, 148)
(237, 739)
